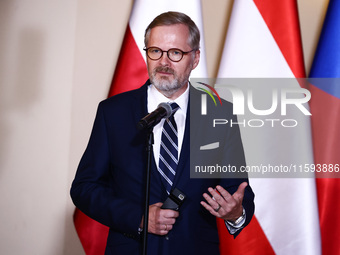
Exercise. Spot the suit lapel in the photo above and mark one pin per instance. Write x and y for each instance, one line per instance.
(184, 159)
(140, 110)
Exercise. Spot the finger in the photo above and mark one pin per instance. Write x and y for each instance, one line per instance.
(169, 227)
(209, 208)
(217, 197)
(159, 204)
(239, 194)
(212, 205)
(212, 202)
(168, 213)
(169, 221)
(164, 229)
(224, 193)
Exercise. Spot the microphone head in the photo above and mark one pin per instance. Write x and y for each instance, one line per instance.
(167, 108)
(163, 110)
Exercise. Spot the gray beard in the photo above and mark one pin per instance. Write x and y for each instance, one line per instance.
(164, 85)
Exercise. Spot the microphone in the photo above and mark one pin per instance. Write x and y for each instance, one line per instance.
(174, 200)
(163, 110)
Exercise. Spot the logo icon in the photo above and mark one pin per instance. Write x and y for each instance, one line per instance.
(209, 93)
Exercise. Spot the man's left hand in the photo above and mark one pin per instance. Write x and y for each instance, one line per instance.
(223, 205)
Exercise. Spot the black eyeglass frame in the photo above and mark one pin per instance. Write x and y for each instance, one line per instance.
(167, 53)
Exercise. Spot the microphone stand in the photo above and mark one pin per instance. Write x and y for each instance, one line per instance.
(149, 148)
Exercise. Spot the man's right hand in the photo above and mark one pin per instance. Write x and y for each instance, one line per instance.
(161, 221)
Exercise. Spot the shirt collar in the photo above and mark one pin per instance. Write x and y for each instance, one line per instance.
(155, 98)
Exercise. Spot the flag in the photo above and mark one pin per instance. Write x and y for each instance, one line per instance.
(263, 41)
(325, 108)
(131, 73)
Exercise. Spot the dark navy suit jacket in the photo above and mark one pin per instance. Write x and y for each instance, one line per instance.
(109, 183)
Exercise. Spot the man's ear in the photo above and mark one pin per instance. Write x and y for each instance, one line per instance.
(196, 59)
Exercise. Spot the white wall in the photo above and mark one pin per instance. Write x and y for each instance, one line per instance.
(56, 63)
(36, 72)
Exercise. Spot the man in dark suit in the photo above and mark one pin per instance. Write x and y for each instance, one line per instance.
(110, 180)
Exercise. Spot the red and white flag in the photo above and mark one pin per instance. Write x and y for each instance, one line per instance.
(263, 41)
(131, 73)
(325, 107)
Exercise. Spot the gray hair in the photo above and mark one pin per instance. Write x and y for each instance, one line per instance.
(173, 18)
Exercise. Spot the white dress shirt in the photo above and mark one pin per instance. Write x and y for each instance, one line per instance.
(154, 98)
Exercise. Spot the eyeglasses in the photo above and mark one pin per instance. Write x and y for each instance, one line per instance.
(175, 55)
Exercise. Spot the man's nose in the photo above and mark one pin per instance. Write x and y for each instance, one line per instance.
(164, 60)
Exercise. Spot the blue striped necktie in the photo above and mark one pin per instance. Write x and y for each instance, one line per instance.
(168, 158)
